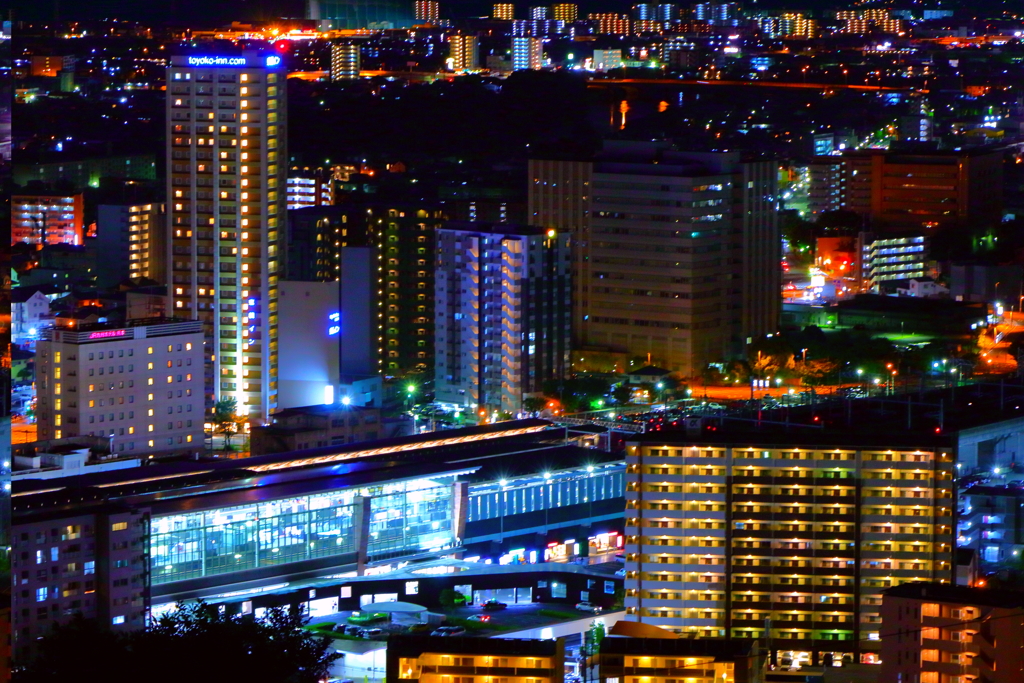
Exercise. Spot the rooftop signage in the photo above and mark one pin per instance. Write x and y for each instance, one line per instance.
(105, 334)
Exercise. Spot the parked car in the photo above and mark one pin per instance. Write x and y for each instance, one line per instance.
(586, 606)
(448, 631)
(353, 630)
(494, 605)
(421, 628)
(480, 617)
(371, 633)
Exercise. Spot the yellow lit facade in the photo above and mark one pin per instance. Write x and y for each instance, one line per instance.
(504, 10)
(720, 539)
(565, 11)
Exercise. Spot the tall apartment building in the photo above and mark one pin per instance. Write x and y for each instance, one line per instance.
(937, 633)
(675, 254)
(463, 53)
(786, 536)
(609, 23)
(539, 13)
(717, 13)
(344, 60)
(310, 187)
(504, 10)
(527, 53)
(428, 11)
(788, 25)
(565, 11)
(93, 563)
(226, 182)
(140, 385)
(47, 219)
(133, 241)
(502, 313)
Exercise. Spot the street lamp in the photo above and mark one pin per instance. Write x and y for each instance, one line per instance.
(660, 386)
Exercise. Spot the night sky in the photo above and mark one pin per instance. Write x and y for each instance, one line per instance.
(221, 11)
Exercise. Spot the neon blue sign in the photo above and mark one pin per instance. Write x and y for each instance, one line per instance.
(334, 329)
(216, 61)
(273, 61)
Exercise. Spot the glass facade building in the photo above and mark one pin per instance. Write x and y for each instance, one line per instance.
(560, 489)
(404, 517)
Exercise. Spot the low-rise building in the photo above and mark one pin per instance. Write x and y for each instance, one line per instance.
(661, 657)
(431, 659)
(67, 457)
(296, 429)
(940, 633)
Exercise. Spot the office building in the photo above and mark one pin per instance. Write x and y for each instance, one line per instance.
(361, 14)
(943, 633)
(310, 187)
(140, 385)
(47, 219)
(132, 239)
(675, 253)
(565, 11)
(505, 11)
(425, 657)
(658, 656)
(345, 61)
(527, 53)
(607, 23)
(463, 53)
(308, 371)
(502, 297)
(923, 190)
(787, 537)
(606, 60)
(226, 185)
(426, 11)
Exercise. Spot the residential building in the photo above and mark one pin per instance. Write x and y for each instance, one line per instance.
(891, 259)
(502, 297)
(87, 172)
(504, 10)
(539, 13)
(565, 11)
(666, 248)
(140, 385)
(427, 11)
(226, 183)
(51, 65)
(463, 53)
(868, 21)
(302, 428)
(788, 25)
(527, 53)
(360, 338)
(47, 219)
(426, 657)
(310, 187)
(30, 312)
(345, 60)
(86, 562)
(133, 241)
(717, 13)
(784, 536)
(991, 523)
(939, 633)
(609, 23)
(658, 656)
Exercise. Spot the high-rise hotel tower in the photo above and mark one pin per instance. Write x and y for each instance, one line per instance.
(226, 175)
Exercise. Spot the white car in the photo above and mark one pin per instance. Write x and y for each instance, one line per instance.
(586, 606)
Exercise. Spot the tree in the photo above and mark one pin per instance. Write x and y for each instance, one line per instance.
(224, 647)
(622, 393)
(534, 404)
(450, 599)
(225, 419)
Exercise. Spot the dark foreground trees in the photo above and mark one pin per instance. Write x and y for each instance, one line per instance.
(194, 644)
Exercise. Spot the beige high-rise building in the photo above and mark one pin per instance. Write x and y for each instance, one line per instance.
(504, 10)
(675, 254)
(226, 189)
(463, 53)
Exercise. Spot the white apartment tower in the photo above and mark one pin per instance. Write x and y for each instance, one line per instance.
(226, 178)
(527, 53)
(502, 298)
